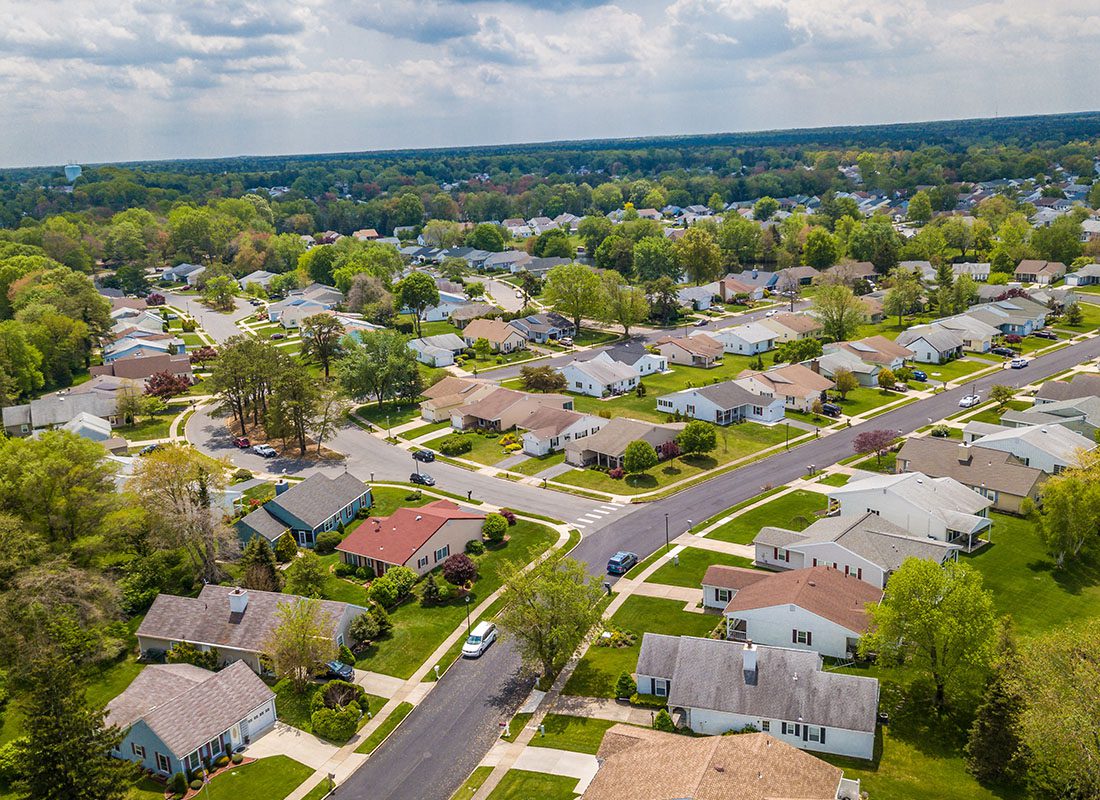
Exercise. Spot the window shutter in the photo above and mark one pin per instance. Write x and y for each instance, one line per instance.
(775, 553)
(823, 734)
(859, 573)
(805, 733)
(794, 636)
(783, 725)
(815, 562)
(809, 638)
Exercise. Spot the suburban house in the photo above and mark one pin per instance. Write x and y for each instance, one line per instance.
(977, 336)
(599, 377)
(995, 474)
(714, 686)
(700, 350)
(872, 308)
(850, 272)
(1083, 384)
(798, 386)
(1088, 275)
(545, 327)
(795, 276)
(875, 350)
(635, 355)
(306, 509)
(790, 327)
(756, 278)
(1041, 272)
(186, 274)
(1015, 315)
(437, 351)
(138, 368)
(500, 409)
(731, 286)
(939, 508)
(57, 409)
(749, 338)
(606, 447)
(179, 717)
(814, 608)
(260, 277)
(443, 397)
(834, 361)
(932, 344)
(462, 315)
(697, 298)
(1081, 415)
(723, 403)
(1051, 448)
(503, 337)
(236, 622)
(644, 764)
(509, 260)
(136, 345)
(547, 429)
(864, 545)
(418, 538)
(441, 311)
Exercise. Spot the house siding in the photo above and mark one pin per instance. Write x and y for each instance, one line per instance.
(774, 626)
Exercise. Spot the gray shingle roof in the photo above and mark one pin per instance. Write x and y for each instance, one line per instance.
(317, 498)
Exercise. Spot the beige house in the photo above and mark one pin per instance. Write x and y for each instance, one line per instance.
(798, 385)
(790, 327)
(607, 446)
(418, 538)
(503, 409)
(699, 350)
(503, 337)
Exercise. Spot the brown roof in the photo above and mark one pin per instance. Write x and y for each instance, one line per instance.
(824, 591)
(494, 330)
(699, 344)
(141, 367)
(970, 465)
(732, 577)
(794, 380)
(643, 764)
(799, 323)
(394, 539)
(128, 302)
(735, 286)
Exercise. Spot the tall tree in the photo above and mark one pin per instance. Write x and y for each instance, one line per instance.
(639, 456)
(698, 256)
(839, 311)
(622, 303)
(573, 290)
(377, 366)
(294, 403)
(920, 208)
(417, 292)
(654, 258)
(821, 249)
(300, 642)
(739, 240)
(219, 291)
(663, 301)
(697, 438)
(1070, 518)
(904, 296)
(321, 336)
(259, 567)
(994, 752)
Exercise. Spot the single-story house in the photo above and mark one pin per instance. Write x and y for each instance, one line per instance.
(599, 377)
(180, 718)
(437, 351)
(57, 409)
(1081, 415)
(790, 327)
(995, 474)
(875, 350)
(441, 398)
(510, 260)
(814, 608)
(139, 368)
(306, 509)
(700, 350)
(184, 273)
(1032, 270)
(830, 363)
(799, 386)
(850, 272)
(1088, 275)
(977, 336)
(503, 337)
(545, 327)
(260, 277)
(607, 446)
(790, 277)
(418, 538)
(635, 355)
(236, 622)
(932, 344)
(1015, 315)
(547, 429)
(1051, 448)
(731, 286)
(442, 310)
(1081, 385)
(748, 338)
(714, 686)
(697, 298)
(864, 545)
(136, 345)
(500, 409)
(462, 315)
(722, 404)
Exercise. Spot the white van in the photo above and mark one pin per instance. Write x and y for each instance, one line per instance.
(483, 635)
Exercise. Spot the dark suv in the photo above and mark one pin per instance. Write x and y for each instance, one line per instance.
(426, 456)
(830, 409)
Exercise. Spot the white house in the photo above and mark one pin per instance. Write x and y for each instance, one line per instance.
(598, 378)
(932, 344)
(1050, 448)
(799, 386)
(437, 351)
(867, 546)
(816, 608)
(747, 339)
(791, 327)
(864, 371)
(547, 430)
(715, 686)
(443, 309)
(977, 336)
(261, 277)
(636, 356)
(939, 508)
(723, 403)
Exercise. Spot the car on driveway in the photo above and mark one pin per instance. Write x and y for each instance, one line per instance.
(338, 670)
(1007, 352)
(149, 448)
(422, 478)
(920, 375)
(770, 313)
(241, 442)
(277, 336)
(1045, 334)
(427, 456)
(566, 341)
(1018, 363)
(831, 409)
(621, 562)
(701, 323)
(969, 401)
(265, 450)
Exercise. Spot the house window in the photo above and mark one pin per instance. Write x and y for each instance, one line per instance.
(802, 637)
(442, 553)
(660, 687)
(758, 410)
(422, 562)
(162, 763)
(790, 729)
(765, 725)
(193, 761)
(691, 409)
(722, 595)
(138, 750)
(779, 554)
(578, 384)
(815, 734)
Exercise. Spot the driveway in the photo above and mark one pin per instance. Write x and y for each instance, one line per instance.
(503, 295)
(285, 740)
(218, 325)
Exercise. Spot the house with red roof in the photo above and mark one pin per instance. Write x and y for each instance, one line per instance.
(417, 538)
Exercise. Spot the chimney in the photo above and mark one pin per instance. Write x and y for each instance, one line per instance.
(238, 600)
(749, 663)
(965, 453)
(281, 486)
(815, 365)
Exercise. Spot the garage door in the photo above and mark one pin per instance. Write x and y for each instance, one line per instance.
(258, 721)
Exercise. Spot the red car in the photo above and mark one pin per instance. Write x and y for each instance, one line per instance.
(241, 442)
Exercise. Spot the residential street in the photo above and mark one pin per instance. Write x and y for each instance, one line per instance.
(218, 325)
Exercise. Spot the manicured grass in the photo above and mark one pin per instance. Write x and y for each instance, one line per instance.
(1090, 318)
(294, 709)
(638, 568)
(1026, 584)
(780, 512)
(693, 565)
(110, 681)
(385, 729)
(271, 778)
(419, 630)
(743, 504)
(519, 784)
(144, 789)
(993, 414)
(836, 479)
(577, 734)
(392, 414)
(486, 449)
(319, 791)
(599, 669)
(865, 399)
(473, 783)
(423, 430)
(192, 340)
(155, 427)
(434, 328)
(533, 466)
(959, 368)
(492, 360)
(887, 465)
(516, 726)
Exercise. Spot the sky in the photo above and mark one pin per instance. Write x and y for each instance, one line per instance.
(119, 80)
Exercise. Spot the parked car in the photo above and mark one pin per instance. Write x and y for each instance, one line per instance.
(426, 456)
(969, 401)
(338, 670)
(621, 562)
(422, 478)
(276, 336)
(241, 442)
(566, 341)
(265, 450)
(255, 301)
(769, 313)
(519, 294)
(1007, 352)
(920, 375)
(1018, 363)
(149, 448)
(831, 409)
(1044, 334)
(701, 323)
(483, 635)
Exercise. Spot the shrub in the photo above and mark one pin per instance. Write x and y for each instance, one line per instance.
(500, 359)
(383, 592)
(327, 542)
(364, 628)
(494, 528)
(185, 653)
(178, 784)
(286, 548)
(345, 655)
(625, 686)
(663, 721)
(242, 475)
(236, 758)
(941, 431)
(648, 700)
(509, 515)
(459, 569)
(221, 761)
(475, 547)
(338, 694)
(336, 726)
(365, 573)
(316, 702)
(616, 473)
(383, 620)
(1013, 338)
(455, 445)
(412, 497)
(9, 761)
(343, 569)
(432, 593)
(188, 325)
(404, 579)
(196, 784)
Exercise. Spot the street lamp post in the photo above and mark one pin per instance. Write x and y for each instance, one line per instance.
(667, 547)
(467, 615)
(788, 436)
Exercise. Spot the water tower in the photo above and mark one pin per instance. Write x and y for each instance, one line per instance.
(72, 172)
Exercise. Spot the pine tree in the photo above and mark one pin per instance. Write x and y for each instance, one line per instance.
(993, 752)
(259, 568)
(432, 593)
(66, 749)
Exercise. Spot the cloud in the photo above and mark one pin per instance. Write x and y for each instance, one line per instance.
(424, 21)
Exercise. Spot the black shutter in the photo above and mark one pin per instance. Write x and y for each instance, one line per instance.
(809, 638)
(794, 636)
(805, 733)
(823, 734)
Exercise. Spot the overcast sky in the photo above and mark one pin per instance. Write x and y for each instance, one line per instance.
(118, 80)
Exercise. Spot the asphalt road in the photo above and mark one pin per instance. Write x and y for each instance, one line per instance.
(218, 325)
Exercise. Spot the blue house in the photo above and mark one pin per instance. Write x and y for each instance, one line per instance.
(306, 509)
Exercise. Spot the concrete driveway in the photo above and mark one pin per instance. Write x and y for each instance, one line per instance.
(286, 740)
(218, 325)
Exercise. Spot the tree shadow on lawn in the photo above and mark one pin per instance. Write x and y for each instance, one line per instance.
(1073, 578)
(914, 720)
(641, 480)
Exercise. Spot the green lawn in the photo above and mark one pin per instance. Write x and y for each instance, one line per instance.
(294, 709)
(1026, 584)
(599, 669)
(993, 414)
(486, 449)
(578, 734)
(473, 783)
(319, 791)
(155, 427)
(492, 360)
(959, 368)
(780, 512)
(533, 466)
(110, 681)
(271, 778)
(516, 726)
(866, 399)
(836, 479)
(370, 744)
(144, 789)
(887, 464)
(422, 430)
(392, 414)
(1090, 318)
(693, 565)
(518, 784)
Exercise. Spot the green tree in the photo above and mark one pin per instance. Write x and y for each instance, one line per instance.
(845, 382)
(639, 456)
(321, 337)
(994, 752)
(886, 378)
(697, 254)
(494, 528)
(654, 258)
(607, 197)
(300, 642)
(553, 243)
(945, 289)
(764, 208)
(294, 403)
(1001, 394)
(259, 567)
(797, 350)
(876, 241)
(664, 303)
(622, 303)
(548, 610)
(964, 293)
(839, 311)
(1070, 518)
(697, 438)
(593, 230)
(1059, 241)
(1073, 314)
(938, 619)
(486, 237)
(542, 379)
(306, 575)
(20, 363)
(417, 292)
(219, 291)
(904, 296)
(573, 290)
(920, 208)
(739, 240)
(821, 249)
(379, 365)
